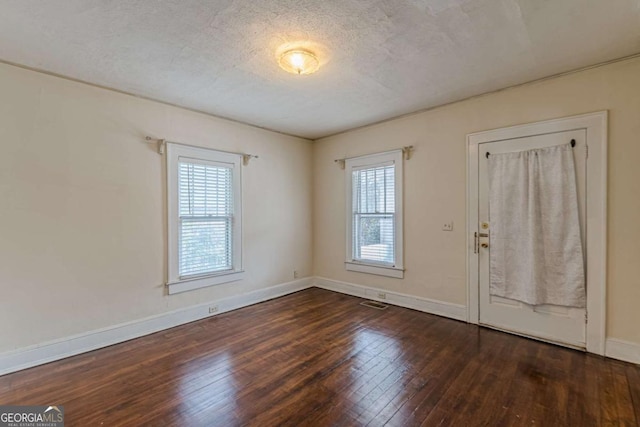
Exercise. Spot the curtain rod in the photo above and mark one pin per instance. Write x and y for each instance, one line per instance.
(573, 144)
(406, 152)
(163, 142)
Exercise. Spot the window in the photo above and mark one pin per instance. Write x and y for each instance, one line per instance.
(204, 206)
(374, 219)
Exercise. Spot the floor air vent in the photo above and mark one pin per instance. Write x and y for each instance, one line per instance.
(374, 304)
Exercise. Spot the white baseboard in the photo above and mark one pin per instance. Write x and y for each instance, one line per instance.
(623, 350)
(441, 308)
(48, 352)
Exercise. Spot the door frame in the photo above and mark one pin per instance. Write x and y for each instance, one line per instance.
(595, 125)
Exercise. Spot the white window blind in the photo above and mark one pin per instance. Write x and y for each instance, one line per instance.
(373, 215)
(206, 218)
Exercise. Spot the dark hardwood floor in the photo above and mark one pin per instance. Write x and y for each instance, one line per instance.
(318, 358)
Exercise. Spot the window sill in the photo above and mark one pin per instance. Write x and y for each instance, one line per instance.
(203, 282)
(378, 270)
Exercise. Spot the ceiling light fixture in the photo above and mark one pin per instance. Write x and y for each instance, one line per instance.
(299, 61)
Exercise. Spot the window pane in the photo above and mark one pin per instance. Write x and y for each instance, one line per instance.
(374, 190)
(204, 246)
(375, 238)
(204, 190)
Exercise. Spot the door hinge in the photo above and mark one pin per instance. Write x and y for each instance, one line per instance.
(586, 316)
(587, 150)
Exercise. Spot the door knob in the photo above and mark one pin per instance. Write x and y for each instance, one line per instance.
(484, 245)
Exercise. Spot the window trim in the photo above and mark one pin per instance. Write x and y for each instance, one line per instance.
(364, 162)
(175, 152)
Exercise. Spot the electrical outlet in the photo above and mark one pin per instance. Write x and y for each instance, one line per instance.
(213, 309)
(295, 274)
(382, 295)
(447, 226)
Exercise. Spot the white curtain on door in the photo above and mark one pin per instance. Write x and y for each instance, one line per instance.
(535, 246)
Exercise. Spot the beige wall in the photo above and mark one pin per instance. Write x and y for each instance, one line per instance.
(435, 184)
(82, 222)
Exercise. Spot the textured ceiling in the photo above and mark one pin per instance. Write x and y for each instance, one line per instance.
(381, 58)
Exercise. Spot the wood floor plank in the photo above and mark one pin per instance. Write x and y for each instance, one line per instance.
(474, 390)
(622, 392)
(633, 377)
(375, 345)
(318, 358)
(444, 372)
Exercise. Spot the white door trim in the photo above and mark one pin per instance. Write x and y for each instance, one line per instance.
(596, 213)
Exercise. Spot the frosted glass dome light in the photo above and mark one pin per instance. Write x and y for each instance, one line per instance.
(299, 61)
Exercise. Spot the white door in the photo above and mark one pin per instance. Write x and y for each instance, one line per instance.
(563, 325)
